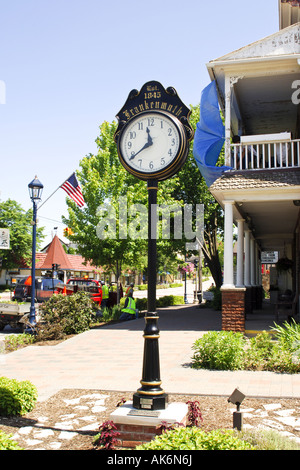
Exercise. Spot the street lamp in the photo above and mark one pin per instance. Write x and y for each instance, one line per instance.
(35, 192)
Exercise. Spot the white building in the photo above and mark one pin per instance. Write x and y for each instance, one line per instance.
(258, 90)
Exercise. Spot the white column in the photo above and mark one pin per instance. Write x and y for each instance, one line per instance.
(240, 254)
(247, 258)
(228, 245)
(252, 262)
(227, 119)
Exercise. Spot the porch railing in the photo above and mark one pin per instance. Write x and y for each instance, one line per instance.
(281, 154)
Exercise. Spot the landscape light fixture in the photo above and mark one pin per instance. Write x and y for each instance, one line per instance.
(237, 398)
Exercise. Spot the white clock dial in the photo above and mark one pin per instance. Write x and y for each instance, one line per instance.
(150, 143)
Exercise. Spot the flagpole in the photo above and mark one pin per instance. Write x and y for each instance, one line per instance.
(54, 191)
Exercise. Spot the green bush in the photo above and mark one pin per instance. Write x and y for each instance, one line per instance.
(227, 350)
(216, 302)
(14, 342)
(16, 397)
(6, 442)
(112, 313)
(193, 438)
(168, 300)
(142, 287)
(259, 350)
(71, 314)
(267, 439)
(141, 304)
(288, 335)
(219, 350)
(165, 301)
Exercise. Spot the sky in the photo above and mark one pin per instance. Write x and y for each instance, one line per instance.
(66, 66)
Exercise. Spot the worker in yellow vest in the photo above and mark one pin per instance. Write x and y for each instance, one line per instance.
(105, 295)
(129, 310)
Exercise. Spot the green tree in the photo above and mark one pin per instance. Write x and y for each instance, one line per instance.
(18, 221)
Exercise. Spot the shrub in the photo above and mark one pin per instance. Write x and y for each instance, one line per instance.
(219, 350)
(16, 397)
(71, 314)
(142, 287)
(288, 335)
(168, 300)
(111, 313)
(268, 439)
(216, 302)
(141, 304)
(193, 438)
(226, 350)
(14, 342)
(6, 442)
(194, 416)
(107, 437)
(259, 350)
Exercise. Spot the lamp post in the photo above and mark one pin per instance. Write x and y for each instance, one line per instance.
(185, 291)
(35, 192)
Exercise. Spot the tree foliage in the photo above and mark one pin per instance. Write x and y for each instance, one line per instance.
(19, 223)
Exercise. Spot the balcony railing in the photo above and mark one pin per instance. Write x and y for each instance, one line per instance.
(277, 154)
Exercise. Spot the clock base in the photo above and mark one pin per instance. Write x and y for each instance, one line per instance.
(150, 402)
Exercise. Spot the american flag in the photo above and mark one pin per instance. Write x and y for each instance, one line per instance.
(72, 188)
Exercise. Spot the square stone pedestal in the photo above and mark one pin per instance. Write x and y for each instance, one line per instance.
(139, 426)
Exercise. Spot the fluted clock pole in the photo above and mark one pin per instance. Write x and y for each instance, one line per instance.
(151, 395)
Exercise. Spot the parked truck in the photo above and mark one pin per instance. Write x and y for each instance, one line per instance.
(73, 285)
(14, 314)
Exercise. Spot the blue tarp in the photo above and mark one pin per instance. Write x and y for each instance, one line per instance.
(209, 136)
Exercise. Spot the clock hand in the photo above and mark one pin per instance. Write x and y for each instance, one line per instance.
(147, 144)
(150, 141)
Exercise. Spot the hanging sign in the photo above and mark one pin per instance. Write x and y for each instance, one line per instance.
(4, 239)
(269, 257)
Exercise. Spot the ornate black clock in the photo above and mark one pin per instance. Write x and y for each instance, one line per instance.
(153, 133)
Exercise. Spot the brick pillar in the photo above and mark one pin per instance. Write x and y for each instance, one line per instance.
(233, 309)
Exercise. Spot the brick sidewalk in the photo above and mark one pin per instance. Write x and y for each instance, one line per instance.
(110, 358)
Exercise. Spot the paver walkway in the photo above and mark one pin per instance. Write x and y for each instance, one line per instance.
(110, 358)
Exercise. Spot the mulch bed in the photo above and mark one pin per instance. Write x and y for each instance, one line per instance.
(72, 417)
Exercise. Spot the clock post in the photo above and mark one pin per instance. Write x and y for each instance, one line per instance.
(151, 395)
(152, 139)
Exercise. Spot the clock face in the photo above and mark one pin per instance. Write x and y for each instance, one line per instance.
(150, 143)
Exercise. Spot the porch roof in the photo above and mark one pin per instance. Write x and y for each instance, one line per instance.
(258, 179)
(268, 201)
